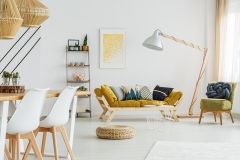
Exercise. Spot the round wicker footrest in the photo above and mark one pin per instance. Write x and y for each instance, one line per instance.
(115, 132)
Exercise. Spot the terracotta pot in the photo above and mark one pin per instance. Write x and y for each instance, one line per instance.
(85, 48)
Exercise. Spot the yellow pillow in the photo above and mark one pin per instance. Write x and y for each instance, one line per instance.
(108, 94)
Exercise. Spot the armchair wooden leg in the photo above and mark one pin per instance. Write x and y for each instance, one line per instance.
(220, 114)
(231, 116)
(200, 116)
(215, 115)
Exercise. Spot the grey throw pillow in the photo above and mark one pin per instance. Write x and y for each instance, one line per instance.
(118, 92)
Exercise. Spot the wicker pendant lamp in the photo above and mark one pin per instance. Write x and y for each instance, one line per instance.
(10, 19)
(33, 12)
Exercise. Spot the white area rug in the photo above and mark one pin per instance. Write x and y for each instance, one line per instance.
(163, 150)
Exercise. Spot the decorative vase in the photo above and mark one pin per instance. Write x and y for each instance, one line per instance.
(5, 81)
(84, 48)
(15, 81)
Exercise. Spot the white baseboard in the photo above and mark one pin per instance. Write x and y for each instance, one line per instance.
(236, 115)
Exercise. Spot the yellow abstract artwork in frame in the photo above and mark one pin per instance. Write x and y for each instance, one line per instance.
(112, 49)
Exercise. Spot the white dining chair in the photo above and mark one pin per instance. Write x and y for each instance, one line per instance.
(24, 121)
(54, 122)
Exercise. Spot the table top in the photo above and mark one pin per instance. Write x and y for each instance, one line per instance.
(50, 94)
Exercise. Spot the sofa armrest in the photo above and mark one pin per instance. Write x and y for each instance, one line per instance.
(173, 97)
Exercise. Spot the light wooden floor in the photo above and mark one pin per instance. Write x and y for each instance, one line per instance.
(87, 146)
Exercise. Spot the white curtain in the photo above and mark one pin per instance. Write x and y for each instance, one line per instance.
(231, 70)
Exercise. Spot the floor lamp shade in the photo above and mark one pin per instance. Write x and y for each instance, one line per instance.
(10, 19)
(154, 41)
(33, 12)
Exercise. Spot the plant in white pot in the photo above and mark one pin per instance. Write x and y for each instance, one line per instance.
(6, 78)
(15, 79)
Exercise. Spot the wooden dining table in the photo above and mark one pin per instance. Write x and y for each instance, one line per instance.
(4, 107)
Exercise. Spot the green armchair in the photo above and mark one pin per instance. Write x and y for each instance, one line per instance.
(217, 106)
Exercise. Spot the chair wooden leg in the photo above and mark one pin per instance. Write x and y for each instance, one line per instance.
(29, 146)
(7, 153)
(13, 148)
(200, 116)
(35, 146)
(65, 138)
(215, 115)
(231, 116)
(43, 143)
(18, 146)
(220, 114)
(10, 145)
(53, 131)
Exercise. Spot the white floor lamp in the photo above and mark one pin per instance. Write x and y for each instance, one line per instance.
(154, 42)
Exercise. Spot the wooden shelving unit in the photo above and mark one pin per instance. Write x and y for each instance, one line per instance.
(79, 56)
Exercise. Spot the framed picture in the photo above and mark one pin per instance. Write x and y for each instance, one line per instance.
(73, 45)
(112, 48)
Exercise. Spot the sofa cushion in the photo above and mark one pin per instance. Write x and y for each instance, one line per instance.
(215, 104)
(146, 92)
(98, 92)
(150, 102)
(127, 103)
(173, 97)
(131, 92)
(118, 92)
(108, 94)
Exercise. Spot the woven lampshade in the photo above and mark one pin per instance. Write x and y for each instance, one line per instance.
(10, 19)
(33, 12)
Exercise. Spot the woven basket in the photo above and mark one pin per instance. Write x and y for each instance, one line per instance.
(10, 19)
(33, 12)
(115, 132)
(12, 89)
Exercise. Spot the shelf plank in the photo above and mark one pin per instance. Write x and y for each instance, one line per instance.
(72, 81)
(78, 51)
(78, 66)
(87, 96)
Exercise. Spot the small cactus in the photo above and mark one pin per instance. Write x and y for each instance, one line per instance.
(15, 75)
(85, 41)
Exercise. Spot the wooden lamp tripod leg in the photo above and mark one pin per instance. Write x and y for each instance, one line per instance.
(190, 112)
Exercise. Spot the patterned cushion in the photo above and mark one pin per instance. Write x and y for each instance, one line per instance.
(146, 92)
(219, 90)
(131, 92)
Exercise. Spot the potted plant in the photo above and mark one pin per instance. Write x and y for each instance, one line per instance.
(77, 47)
(85, 47)
(82, 88)
(71, 48)
(6, 78)
(15, 79)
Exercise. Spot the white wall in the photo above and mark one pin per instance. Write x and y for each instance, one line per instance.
(177, 66)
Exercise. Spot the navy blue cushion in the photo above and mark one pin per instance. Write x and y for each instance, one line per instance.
(160, 93)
